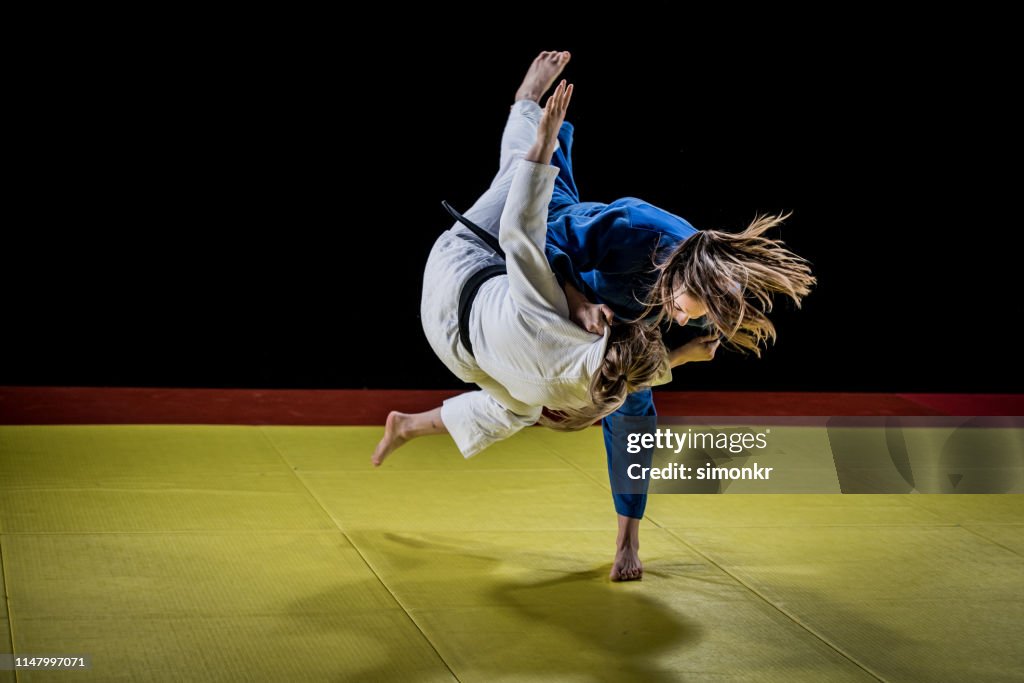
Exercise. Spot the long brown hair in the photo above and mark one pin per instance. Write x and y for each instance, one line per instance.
(734, 275)
(634, 358)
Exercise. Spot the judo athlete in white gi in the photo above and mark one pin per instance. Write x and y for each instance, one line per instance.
(523, 351)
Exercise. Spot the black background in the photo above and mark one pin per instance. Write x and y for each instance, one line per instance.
(252, 205)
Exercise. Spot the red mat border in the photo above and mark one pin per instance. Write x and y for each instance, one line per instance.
(142, 405)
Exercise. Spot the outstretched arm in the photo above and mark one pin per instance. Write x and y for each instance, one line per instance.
(594, 318)
(532, 283)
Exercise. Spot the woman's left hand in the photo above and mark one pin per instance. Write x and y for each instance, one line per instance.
(550, 123)
(695, 350)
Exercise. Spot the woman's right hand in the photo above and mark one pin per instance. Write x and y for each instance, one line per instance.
(594, 318)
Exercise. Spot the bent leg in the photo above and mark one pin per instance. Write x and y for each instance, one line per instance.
(565, 206)
(520, 132)
(565, 191)
(517, 137)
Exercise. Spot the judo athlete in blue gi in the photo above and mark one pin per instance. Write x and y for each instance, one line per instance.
(629, 260)
(495, 314)
(626, 259)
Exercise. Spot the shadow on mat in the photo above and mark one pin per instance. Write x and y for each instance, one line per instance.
(488, 616)
(565, 626)
(604, 630)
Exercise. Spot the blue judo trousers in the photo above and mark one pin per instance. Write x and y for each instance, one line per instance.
(608, 252)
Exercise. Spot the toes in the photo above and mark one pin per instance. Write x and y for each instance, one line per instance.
(554, 56)
(626, 574)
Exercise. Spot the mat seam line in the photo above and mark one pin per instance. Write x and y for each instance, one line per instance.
(912, 503)
(7, 594)
(359, 552)
(960, 523)
(578, 468)
(787, 615)
(986, 538)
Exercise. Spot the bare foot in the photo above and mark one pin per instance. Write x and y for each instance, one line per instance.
(541, 75)
(627, 566)
(394, 436)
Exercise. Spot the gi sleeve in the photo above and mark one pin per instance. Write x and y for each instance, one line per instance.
(522, 235)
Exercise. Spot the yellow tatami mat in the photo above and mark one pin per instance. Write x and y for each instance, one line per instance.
(206, 553)
(1010, 536)
(528, 605)
(149, 478)
(888, 596)
(5, 629)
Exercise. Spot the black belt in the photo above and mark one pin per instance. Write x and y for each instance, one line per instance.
(489, 239)
(477, 279)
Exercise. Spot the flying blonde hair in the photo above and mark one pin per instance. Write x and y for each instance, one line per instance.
(734, 275)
